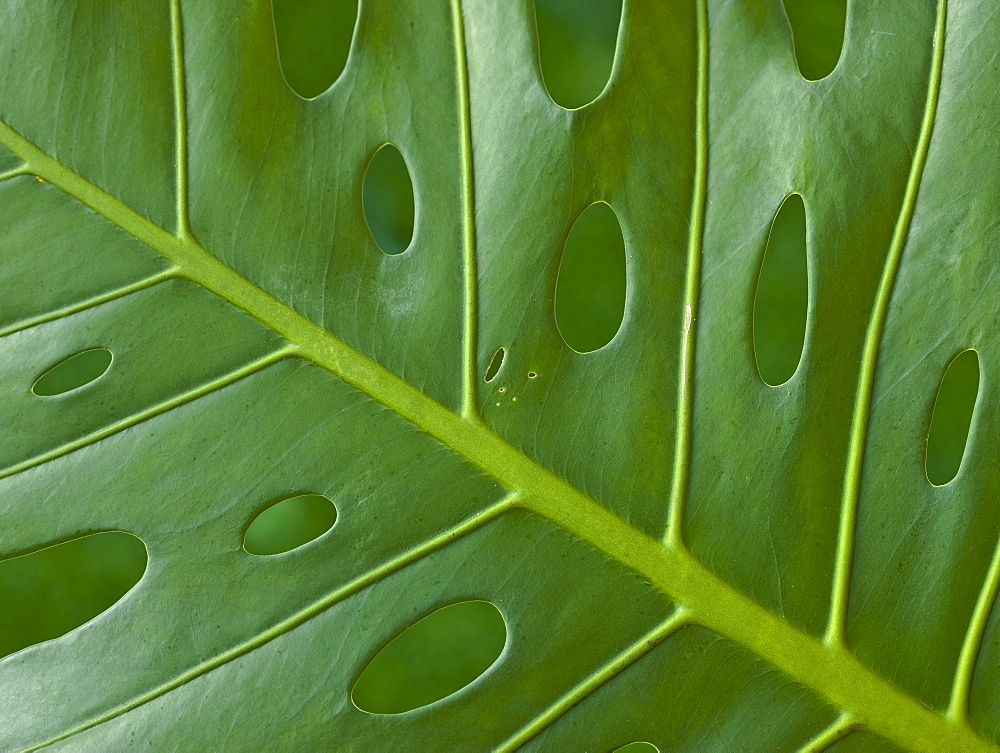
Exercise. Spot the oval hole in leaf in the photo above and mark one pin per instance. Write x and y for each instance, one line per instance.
(576, 47)
(289, 523)
(49, 592)
(495, 363)
(637, 748)
(314, 39)
(73, 372)
(781, 302)
(591, 284)
(952, 417)
(817, 34)
(437, 656)
(387, 198)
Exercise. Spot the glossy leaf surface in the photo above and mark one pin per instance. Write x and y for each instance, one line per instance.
(681, 554)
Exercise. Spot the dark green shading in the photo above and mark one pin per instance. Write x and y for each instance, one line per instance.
(387, 197)
(590, 291)
(576, 41)
(949, 432)
(782, 298)
(47, 593)
(289, 524)
(314, 39)
(818, 32)
(437, 656)
(74, 372)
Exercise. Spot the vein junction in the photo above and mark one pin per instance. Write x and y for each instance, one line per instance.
(825, 666)
(828, 669)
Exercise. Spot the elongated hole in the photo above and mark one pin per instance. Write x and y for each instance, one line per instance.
(495, 363)
(387, 198)
(314, 39)
(591, 284)
(952, 418)
(432, 659)
(49, 592)
(289, 524)
(73, 372)
(781, 300)
(576, 47)
(817, 34)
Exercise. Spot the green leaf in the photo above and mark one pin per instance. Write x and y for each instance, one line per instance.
(682, 555)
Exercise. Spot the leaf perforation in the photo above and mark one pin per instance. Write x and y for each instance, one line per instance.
(668, 566)
(837, 624)
(671, 569)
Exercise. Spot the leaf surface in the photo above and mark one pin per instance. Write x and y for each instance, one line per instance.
(682, 554)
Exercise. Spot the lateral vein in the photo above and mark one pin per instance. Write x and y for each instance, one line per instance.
(692, 285)
(830, 671)
(150, 412)
(596, 680)
(320, 605)
(873, 339)
(471, 275)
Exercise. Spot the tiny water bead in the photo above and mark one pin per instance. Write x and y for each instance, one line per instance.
(73, 372)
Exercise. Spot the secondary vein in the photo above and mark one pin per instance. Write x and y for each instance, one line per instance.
(471, 276)
(692, 284)
(708, 600)
(873, 339)
(597, 679)
(180, 117)
(363, 581)
(713, 603)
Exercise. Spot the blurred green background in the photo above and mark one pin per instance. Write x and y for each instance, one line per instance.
(51, 591)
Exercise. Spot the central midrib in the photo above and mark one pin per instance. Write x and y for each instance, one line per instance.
(826, 667)
(829, 670)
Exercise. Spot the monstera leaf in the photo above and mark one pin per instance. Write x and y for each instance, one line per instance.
(682, 554)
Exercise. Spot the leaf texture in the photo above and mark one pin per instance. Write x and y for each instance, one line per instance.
(682, 554)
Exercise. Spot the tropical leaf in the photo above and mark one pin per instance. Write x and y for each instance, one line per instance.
(682, 554)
